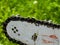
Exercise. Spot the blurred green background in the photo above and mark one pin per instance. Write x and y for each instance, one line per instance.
(48, 10)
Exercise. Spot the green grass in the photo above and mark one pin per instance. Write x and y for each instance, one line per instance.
(41, 10)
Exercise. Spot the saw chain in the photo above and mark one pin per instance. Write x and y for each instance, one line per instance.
(29, 31)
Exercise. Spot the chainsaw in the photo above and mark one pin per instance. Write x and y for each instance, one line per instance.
(29, 31)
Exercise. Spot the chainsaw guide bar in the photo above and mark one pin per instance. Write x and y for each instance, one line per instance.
(29, 31)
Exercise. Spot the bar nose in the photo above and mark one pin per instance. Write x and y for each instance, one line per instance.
(34, 36)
